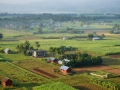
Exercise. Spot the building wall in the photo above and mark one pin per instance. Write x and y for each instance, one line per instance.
(66, 71)
(7, 83)
(39, 54)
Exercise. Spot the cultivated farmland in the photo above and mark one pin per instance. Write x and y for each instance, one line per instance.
(28, 72)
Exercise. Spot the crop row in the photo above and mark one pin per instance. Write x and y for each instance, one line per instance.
(19, 74)
(101, 47)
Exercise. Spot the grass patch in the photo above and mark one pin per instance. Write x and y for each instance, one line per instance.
(54, 86)
(20, 75)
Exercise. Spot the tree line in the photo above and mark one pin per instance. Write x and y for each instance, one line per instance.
(27, 21)
(82, 59)
(77, 59)
(26, 48)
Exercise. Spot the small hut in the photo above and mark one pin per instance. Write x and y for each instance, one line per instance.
(52, 60)
(96, 38)
(61, 61)
(7, 51)
(39, 53)
(65, 69)
(6, 82)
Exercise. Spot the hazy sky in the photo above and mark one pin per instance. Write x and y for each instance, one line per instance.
(18, 1)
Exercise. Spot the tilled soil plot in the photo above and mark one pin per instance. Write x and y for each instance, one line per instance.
(44, 73)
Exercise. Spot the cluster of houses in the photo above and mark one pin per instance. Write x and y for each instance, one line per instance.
(6, 82)
(64, 69)
(42, 53)
(37, 53)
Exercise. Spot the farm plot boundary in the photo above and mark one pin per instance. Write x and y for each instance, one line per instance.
(39, 71)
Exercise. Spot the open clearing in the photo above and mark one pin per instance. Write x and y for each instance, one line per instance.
(96, 68)
(97, 31)
(115, 56)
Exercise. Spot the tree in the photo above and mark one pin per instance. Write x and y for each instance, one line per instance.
(116, 27)
(39, 29)
(90, 36)
(53, 50)
(37, 44)
(81, 24)
(24, 48)
(60, 51)
(1, 35)
(103, 35)
(94, 33)
(63, 62)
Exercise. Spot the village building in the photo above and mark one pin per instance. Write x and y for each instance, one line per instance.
(39, 53)
(6, 82)
(52, 60)
(65, 69)
(61, 61)
(96, 38)
(7, 51)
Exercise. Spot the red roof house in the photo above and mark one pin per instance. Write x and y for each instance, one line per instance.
(65, 69)
(6, 82)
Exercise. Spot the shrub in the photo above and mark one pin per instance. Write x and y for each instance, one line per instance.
(54, 86)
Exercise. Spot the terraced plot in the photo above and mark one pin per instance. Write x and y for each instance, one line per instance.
(45, 73)
(19, 74)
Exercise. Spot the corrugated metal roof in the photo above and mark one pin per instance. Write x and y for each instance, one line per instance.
(64, 67)
(40, 51)
(60, 62)
(51, 58)
(67, 60)
(96, 38)
(6, 49)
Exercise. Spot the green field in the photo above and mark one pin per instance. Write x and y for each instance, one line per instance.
(19, 67)
(101, 47)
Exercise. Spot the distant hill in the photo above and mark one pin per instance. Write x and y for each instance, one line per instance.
(90, 6)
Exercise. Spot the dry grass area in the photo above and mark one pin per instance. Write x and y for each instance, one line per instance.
(112, 60)
(115, 71)
(44, 73)
(115, 56)
(30, 64)
(97, 31)
(93, 68)
(98, 68)
(46, 67)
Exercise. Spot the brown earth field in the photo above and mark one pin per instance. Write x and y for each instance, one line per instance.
(48, 72)
(96, 68)
(115, 56)
(115, 71)
(39, 71)
(97, 31)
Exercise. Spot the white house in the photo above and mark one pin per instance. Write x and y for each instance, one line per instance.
(96, 38)
(7, 51)
(39, 53)
(61, 61)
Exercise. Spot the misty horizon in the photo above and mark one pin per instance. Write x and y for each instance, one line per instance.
(53, 6)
